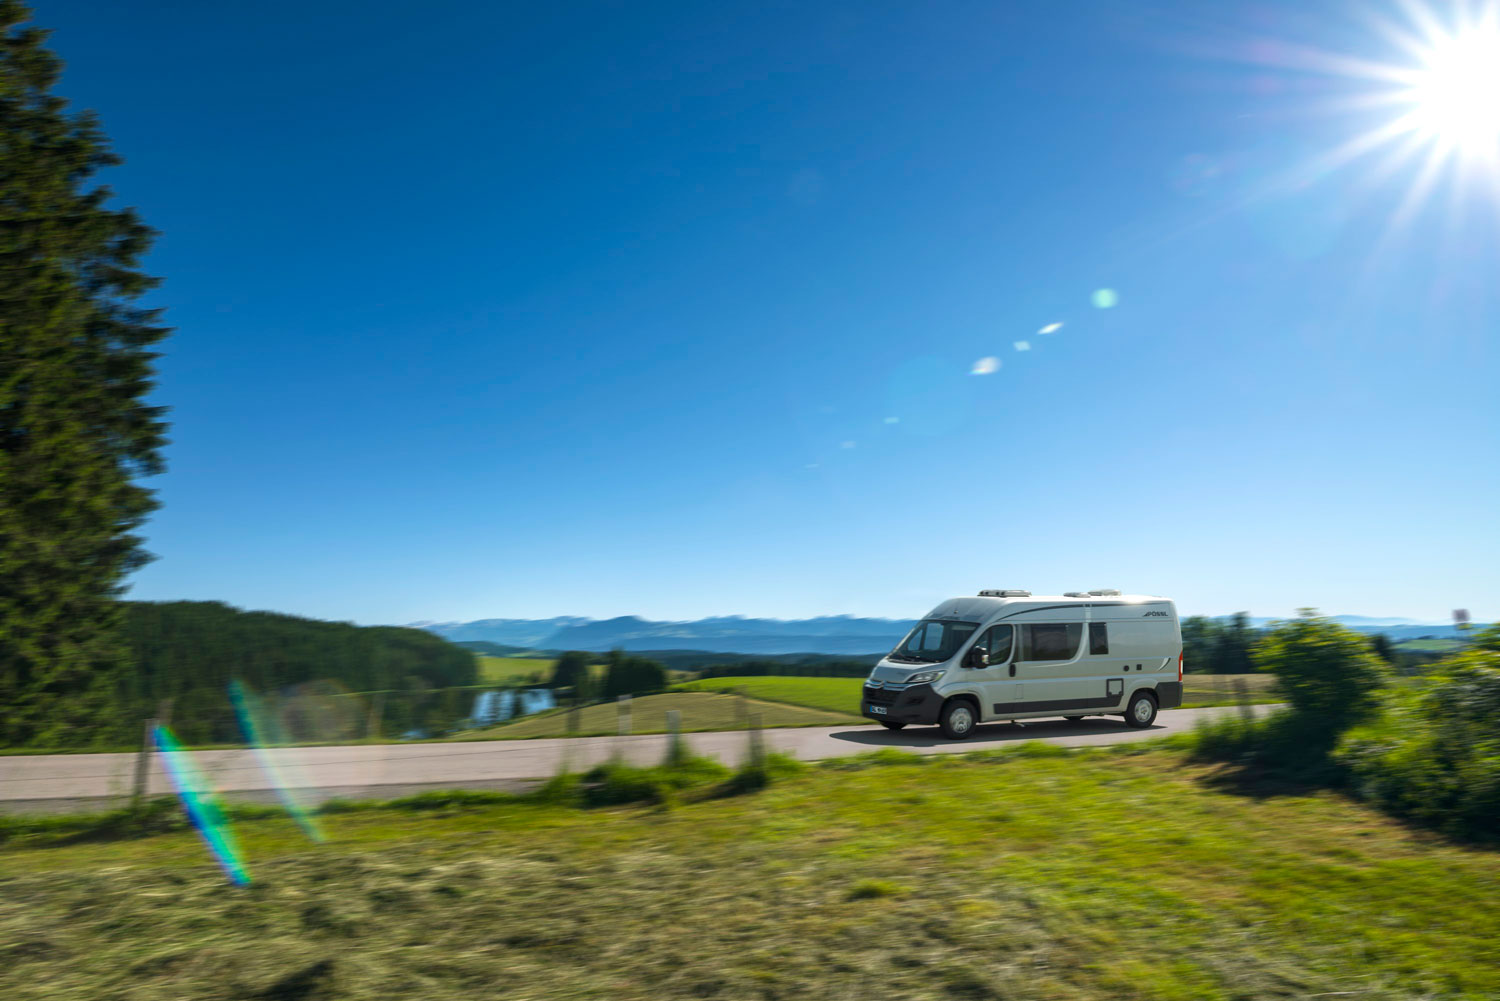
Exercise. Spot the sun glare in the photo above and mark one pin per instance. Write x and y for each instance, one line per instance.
(1456, 96)
(1429, 106)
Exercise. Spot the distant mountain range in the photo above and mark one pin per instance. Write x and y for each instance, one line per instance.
(830, 634)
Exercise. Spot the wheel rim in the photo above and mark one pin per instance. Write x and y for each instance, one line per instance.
(961, 719)
(1143, 709)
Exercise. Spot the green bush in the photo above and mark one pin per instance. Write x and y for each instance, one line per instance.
(1433, 754)
(616, 783)
(1285, 745)
(1332, 679)
(753, 776)
(1328, 673)
(870, 889)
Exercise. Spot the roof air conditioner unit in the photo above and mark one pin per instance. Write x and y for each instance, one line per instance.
(1108, 592)
(1005, 594)
(1076, 594)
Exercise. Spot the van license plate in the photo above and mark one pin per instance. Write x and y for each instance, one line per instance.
(878, 710)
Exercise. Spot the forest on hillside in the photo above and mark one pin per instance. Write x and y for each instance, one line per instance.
(189, 651)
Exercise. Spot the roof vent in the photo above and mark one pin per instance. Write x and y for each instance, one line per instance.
(1077, 594)
(1005, 594)
(1107, 592)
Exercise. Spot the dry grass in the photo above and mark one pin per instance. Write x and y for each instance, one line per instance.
(1024, 875)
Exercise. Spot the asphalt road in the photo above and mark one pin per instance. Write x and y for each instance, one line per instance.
(60, 782)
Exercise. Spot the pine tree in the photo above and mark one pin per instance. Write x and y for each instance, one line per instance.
(75, 432)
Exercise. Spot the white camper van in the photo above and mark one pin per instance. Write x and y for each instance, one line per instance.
(1009, 655)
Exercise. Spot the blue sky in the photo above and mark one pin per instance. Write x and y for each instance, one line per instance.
(520, 310)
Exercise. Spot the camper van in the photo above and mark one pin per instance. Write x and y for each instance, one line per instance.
(1012, 655)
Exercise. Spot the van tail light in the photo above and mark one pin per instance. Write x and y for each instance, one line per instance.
(1179, 665)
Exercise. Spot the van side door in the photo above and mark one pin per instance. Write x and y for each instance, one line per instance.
(1047, 655)
(995, 681)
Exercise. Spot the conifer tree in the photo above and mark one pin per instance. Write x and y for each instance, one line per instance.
(76, 433)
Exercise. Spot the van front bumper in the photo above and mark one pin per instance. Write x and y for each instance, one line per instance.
(915, 704)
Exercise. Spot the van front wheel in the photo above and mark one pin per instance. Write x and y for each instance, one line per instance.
(1141, 712)
(958, 719)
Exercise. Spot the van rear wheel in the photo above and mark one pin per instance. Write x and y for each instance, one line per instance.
(890, 725)
(1141, 712)
(958, 719)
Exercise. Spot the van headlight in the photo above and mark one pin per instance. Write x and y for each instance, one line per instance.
(924, 677)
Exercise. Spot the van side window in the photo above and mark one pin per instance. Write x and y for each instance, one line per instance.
(997, 640)
(1098, 639)
(1051, 642)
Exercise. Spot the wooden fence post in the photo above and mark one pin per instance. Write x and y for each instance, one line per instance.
(143, 765)
(757, 742)
(674, 736)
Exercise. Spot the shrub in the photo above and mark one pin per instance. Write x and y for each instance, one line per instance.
(1332, 679)
(869, 889)
(617, 783)
(1433, 755)
(1327, 672)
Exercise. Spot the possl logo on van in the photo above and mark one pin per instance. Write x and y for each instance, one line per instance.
(1162, 614)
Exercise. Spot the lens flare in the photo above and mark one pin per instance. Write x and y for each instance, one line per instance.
(1050, 328)
(262, 729)
(202, 806)
(986, 366)
(1105, 298)
(1023, 345)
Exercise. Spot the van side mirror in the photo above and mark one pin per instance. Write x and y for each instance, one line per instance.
(977, 656)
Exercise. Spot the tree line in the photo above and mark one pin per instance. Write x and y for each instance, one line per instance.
(184, 654)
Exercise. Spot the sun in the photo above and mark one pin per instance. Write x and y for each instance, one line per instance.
(1455, 96)
(1428, 107)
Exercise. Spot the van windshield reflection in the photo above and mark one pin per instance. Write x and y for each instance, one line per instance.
(933, 640)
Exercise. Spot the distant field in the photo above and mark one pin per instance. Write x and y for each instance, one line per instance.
(1430, 646)
(500, 670)
(1207, 689)
(1032, 877)
(842, 694)
(648, 714)
(839, 695)
(510, 670)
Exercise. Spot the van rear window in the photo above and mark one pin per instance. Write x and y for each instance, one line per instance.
(1051, 642)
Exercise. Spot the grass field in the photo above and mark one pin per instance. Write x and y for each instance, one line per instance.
(500, 670)
(648, 714)
(1033, 875)
(503, 670)
(842, 694)
(1431, 646)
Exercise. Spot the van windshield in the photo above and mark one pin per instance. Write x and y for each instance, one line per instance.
(933, 640)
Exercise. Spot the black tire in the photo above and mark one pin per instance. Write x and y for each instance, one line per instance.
(890, 725)
(1072, 719)
(1138, 715)
(958, 719)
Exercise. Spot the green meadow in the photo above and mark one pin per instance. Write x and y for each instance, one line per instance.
(1028, 874)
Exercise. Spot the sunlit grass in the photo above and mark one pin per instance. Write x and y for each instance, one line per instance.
(1100, 875)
